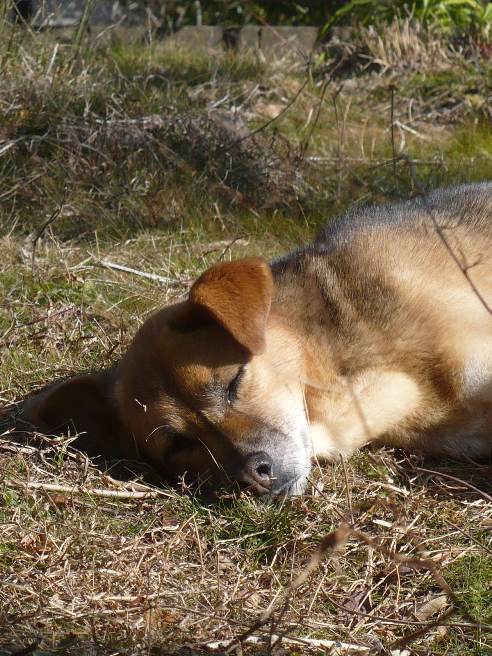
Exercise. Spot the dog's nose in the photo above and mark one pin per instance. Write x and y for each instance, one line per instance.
(258, 471)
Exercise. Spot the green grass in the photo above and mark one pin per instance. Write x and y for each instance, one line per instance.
(263, 531)
(174, 66)
(447, 17)
(471, 578)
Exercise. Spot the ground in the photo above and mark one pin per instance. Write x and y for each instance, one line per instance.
(123, 152)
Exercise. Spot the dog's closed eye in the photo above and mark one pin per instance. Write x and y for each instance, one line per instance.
(233, 387)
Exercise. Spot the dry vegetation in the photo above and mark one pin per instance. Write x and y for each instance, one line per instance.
(144, 156)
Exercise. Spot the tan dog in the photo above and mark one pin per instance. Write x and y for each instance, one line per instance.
(379, 331)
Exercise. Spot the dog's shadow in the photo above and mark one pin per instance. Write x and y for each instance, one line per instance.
(17, 434)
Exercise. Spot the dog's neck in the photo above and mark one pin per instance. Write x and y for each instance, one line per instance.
(338, 370)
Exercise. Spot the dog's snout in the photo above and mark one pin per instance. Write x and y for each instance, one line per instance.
(258, 472)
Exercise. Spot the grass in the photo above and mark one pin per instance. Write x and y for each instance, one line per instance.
(102, 159)
(472, 576)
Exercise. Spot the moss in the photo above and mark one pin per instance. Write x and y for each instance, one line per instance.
(471, 579)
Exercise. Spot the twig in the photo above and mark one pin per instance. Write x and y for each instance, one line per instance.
(48, 317)
(335, 540)
(98, 492)
(106, 264)
(440, 233)
(20, 185)
(470, 537)
(334, 98)
(438, 161)
(228, 247)
(305, 143)
(263, 126)
(54, 215)
(419, 633)
(392, 119)
(329, 543)
(6, 445)
(347, 489)
(410, 130)
(483, 494)
(312, 642)
(420, 563)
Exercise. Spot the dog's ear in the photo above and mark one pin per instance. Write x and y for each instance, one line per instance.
(238, 296)
(78, 405)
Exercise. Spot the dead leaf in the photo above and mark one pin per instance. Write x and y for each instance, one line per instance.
(271, 110)
(430, 607)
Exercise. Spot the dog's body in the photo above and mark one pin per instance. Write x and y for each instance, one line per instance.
(378, 332)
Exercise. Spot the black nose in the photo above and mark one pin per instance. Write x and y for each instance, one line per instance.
(258, 472)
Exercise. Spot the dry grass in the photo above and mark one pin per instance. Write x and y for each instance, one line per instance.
(95, 168)
(156, 574)
(401, 44)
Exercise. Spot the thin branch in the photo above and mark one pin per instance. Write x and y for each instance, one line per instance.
(392, 119)
(311, 642)
(98, 492)
(48, 317)
(314, 123)
(347, 489)
(337, 539)
(440, 233)
(265, 125)
(483, 494)
(438, 161)
(470, 537)
(40, 232)
(54, 215)
(329, 543)
(419, 633)
(106, 264)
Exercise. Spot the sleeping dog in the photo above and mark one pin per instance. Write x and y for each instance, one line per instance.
(379, 331)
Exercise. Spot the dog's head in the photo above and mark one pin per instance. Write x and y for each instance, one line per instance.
(208, 388)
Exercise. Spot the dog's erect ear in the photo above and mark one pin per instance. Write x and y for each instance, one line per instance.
(78, 405)
(238, 296)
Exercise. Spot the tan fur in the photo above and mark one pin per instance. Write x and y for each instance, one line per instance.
(371, 334)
